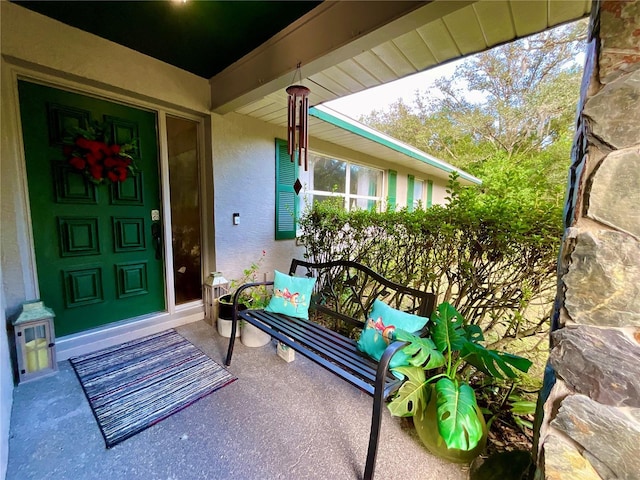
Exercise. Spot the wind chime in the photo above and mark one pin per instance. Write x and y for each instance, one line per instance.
(298, 121)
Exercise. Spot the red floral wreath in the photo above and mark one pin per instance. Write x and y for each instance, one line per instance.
(98, 160)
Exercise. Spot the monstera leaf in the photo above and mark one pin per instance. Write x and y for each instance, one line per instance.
(492, 362)
(448, 331)
(412, 395)
(422, 352)
(458, 421)
(473, 333)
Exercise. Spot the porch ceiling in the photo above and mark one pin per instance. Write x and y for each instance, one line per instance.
(433, 34)
(202, 37)
(249, 49)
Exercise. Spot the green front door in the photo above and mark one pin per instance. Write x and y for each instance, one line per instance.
(98, 247)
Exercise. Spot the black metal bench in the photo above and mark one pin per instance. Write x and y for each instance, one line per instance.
(343, 295)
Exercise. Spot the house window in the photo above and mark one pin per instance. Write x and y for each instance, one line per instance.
(359, 186)
(415, 193)
(419, 193)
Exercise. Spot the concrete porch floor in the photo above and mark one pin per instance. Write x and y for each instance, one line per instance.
(277, 421)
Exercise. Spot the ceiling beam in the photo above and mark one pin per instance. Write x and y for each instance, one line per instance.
(329, 34)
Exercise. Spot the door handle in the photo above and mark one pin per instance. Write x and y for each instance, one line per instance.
(156, 239)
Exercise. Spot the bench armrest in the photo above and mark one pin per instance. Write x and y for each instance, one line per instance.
(383, 364)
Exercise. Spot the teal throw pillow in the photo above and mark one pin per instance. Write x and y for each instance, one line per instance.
(375, 336)
(291, 295)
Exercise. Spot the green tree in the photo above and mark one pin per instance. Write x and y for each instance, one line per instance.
(506, 115)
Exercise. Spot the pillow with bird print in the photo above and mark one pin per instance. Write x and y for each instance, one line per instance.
(291, 295)
(377, 332)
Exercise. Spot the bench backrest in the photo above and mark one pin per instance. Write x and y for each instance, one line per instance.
(346, 290)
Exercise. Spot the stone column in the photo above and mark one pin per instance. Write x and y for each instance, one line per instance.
(589, 427)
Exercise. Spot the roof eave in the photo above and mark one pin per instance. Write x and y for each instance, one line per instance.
(344, 122)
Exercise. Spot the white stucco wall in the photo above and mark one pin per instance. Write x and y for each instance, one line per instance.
(52, 46)
(439, 187)
(6, 389)
(244, 183)
(439, 191)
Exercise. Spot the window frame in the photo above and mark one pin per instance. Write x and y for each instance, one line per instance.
(423, 194)
(347, 195)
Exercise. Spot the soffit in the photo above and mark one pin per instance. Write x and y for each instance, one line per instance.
(334, 127)
(453, 30)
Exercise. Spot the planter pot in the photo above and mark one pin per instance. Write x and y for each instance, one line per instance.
(225, 316)
(224, 328)
(426, 424)
(253, 337)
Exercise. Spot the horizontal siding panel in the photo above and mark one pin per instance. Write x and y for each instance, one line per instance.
(495, 22)
(478, 26)
(267, 110)
(254, 106)
(356, 71)
(528, 16)
(323, 78)
(439, 41)
(561, 11)
(278, 117)
(344, 79)
(377, 67)
(389, 53)
(465, 29)
(415, 50)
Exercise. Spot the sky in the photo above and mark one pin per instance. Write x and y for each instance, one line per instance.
(379, 98)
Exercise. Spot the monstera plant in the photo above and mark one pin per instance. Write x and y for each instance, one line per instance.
(437, 376)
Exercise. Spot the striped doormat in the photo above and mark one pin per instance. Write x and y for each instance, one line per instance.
(139, 383)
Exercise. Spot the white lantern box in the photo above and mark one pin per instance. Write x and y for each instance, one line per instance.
(35, 341)
(215, 286)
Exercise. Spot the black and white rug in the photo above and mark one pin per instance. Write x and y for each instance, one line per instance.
(139, 383)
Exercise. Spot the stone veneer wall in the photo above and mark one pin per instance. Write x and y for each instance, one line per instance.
(590, 426)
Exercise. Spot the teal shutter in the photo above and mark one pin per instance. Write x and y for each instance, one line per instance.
(391, 189)
(286, 198)
(429, 193)
(410, 186)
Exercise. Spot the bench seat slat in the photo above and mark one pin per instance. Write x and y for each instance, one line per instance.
(327, 342)
(306, 338)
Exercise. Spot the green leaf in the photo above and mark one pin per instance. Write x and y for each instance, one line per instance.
(494, 363)
(422, 352)
(523, 407)
(458, 421)
(448, 331)
(523, 423)
(473, 333)
(412, 394)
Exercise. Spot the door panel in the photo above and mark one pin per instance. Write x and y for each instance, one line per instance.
(97, 259)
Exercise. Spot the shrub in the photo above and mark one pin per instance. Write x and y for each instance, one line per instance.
(493, 259)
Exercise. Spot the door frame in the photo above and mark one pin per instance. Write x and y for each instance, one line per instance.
(117, 332)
